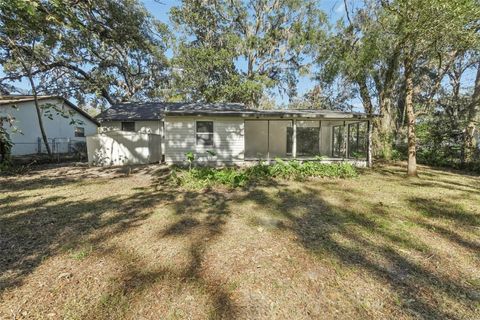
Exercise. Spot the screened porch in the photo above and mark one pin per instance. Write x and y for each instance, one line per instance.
(267, 139)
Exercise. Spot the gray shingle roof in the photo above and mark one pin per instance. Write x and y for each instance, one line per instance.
(157, 110)
(276, 113)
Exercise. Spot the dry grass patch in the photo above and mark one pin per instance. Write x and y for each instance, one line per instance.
(87, 243)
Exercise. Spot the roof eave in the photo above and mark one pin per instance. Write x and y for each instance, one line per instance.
(70, 104)
(80, 111)
(270, 114)
(101, 120)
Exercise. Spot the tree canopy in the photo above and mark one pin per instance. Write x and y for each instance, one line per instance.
(107, 50)
(272, 40)
(397, 55)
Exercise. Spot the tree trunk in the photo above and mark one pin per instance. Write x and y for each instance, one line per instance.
(39, 115)
(374, 123)
(386, 124)
(385, 82)
(28, 71)
(412, 153)
(469, 140)
(365, 95)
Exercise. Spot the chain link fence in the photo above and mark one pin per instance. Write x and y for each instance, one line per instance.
(63, 149)
(62, 146)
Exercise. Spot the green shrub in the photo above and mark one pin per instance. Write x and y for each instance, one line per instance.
(398, 154)
(5, 148)
(298, 171)
(190, 156)
(200, 178)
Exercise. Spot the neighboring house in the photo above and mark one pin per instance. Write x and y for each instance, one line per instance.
(222, 134)
(65, 124)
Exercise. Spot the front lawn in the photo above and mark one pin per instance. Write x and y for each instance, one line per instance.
(89, 243)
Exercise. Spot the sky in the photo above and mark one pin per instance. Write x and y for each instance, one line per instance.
(333, 8)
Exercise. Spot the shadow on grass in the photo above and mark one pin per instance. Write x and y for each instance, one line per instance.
(432, 177)
(21, 185)
(36, 230)
(365, 241)
(201, 217)
(443, 209)
(32, 232)
(54, 176)
(452, 214)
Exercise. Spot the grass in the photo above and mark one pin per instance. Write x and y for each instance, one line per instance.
(81, 253)
(89, 243)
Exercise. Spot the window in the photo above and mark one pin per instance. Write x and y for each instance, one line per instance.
(357, 140)
(205, 133)
(79, 132)
(128, 126)
(337, 142)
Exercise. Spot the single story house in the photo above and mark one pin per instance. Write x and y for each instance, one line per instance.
(229, 133)
(65, 124)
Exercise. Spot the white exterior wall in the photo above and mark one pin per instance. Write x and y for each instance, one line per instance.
(25, 138)
(110, 126)
(228, 140)
(120, 148)
(151, 126)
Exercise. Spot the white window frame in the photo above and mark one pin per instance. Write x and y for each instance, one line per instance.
(82, 133)
(209, 133)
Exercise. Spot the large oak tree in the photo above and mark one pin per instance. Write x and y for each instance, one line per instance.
(269, 39)
(106, 51)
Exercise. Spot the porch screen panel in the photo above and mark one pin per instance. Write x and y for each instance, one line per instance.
(256, 139)
(280, 136)
(338, 150)
(308, 138)
(357, 140)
